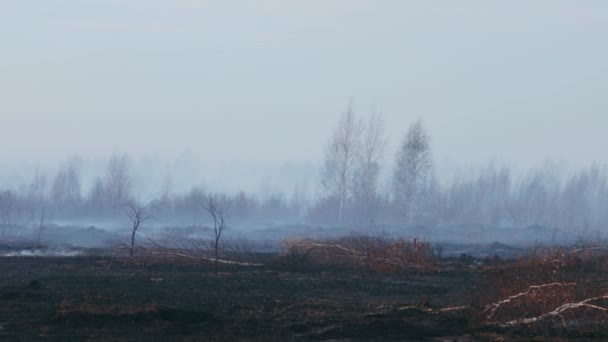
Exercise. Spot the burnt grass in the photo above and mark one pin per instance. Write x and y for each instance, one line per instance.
(102, 298)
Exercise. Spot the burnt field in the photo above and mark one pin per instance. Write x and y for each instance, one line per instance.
(550, 294)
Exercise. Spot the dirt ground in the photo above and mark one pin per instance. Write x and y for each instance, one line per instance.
(100, 299)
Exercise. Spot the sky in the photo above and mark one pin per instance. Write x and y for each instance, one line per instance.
(256, 83)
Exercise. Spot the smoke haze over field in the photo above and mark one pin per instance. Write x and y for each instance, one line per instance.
(260, 83)
(216, 169)
(348, 114)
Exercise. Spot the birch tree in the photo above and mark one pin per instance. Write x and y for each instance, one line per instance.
(413, 167)
(368, 169)
(341, 154)
(117, 183)
(66, 189)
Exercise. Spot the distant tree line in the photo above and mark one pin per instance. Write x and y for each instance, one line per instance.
(355, 194)
(491, 196)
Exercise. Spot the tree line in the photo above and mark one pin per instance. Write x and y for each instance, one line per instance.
(355, 192)
(355, 196)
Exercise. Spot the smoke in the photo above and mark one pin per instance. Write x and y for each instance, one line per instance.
(43, 252)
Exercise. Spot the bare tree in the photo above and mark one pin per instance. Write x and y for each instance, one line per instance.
(8, 202)
(38, 203)
(138, 213)
(368, 171)
(341, 158)
(413, 167)
(66, 189)
(218, 209)
(96, 197)
(167, 187)
(117, 183)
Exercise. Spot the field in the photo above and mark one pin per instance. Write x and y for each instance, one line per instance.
(100, 298)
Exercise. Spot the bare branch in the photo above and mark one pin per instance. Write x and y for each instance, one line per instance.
(492, 308)
(557, 312)
(138, 213)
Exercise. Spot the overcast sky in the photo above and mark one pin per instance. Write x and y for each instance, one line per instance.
(264, 81)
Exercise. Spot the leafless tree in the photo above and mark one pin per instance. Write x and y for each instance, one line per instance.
(38, 203)
(338, 175)
(117, 183)
(165, 202)
(167, 187)
(413, 167)
(65, 190)
(218, 209)
(96, 196)
(369, 164)
(8, 202)
(138, 212)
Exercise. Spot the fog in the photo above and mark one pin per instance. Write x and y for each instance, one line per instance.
(247, 101)
(262, 83)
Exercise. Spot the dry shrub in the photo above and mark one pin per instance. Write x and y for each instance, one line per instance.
(372, 253)
(552, 291)
(186, 250)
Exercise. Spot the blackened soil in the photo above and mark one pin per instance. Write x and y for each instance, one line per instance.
(101, 299)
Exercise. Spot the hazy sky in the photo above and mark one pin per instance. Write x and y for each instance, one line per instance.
(265, 81)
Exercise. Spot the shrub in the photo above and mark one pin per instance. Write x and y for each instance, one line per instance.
(552, 291)
(380, 254)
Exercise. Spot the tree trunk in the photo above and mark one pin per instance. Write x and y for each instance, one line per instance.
(132, 243)
(217, 256)
(340, 211)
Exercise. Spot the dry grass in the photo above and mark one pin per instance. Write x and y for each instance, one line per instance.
(552, 291)
(377, 254)
(178, 250)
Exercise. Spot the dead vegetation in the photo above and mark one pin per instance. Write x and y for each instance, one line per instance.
(382, 254)
(552, 291)
(378, 254)
(180, 250)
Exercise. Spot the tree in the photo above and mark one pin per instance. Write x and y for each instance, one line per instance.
(8, 202)
(138, 213)
(37, 198)
(166, 190)
(244, 206)
(117, 182)
(96, 197)
(340, 160)
(66, 190)
(369, 163)
(218, 209)
(413, 167)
